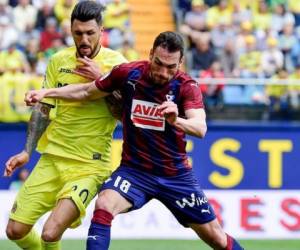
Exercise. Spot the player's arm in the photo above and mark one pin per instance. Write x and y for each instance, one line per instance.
(194, 123)
(38, 123)
(76, 92)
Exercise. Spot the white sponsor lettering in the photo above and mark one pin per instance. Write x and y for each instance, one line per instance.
(147, 115)
(191, 201)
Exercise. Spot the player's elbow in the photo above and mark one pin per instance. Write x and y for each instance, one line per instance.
(201, 131)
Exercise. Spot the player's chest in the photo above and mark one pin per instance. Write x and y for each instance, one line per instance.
(66, 73)
(143, 103)
(141, 90)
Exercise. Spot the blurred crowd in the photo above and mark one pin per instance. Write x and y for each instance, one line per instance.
(32, 31)
(244, 39)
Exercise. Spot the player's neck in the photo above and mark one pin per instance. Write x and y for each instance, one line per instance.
(97, 50)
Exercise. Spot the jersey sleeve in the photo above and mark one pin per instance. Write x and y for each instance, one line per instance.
(113, 80)
(50, 81)
(191, 95)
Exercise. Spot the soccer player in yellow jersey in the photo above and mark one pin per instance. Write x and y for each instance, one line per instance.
(75, 145)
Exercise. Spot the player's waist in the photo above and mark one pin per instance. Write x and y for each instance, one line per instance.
(91, 157)
(86, 127)
(158, 169)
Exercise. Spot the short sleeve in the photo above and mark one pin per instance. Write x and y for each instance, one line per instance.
(50, 81)
(191, 95)
(113, 80)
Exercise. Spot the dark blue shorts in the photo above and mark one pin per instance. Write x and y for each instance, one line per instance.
(181, 194)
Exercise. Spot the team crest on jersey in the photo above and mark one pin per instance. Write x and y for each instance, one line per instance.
(170, 96)
(146, 115)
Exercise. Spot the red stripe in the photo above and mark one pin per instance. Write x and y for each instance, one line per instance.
(102, 217)
(145, 121)
(229, 242)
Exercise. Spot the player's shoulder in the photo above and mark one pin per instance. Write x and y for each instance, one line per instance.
(138, 65)
(135, 65)
(184, 78)
(64, 54)
(109, 51)
(110, 54)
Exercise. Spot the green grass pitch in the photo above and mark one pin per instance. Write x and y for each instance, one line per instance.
(171, 244)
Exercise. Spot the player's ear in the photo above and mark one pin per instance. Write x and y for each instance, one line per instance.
(181, 61)
(101, 28)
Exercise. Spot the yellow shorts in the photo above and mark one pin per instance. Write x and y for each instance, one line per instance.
(55, 178)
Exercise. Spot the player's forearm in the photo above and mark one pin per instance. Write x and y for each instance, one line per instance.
(69, 92)
(38, 123)
(191, 126)
(76, 92)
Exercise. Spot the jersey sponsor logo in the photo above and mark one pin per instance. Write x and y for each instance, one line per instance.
(59, 84)
(147, 115)
(131, 83)
(205, 210)
(192, 201)
(96, 156)
(92, 237)
(195, 84)
(63, 70)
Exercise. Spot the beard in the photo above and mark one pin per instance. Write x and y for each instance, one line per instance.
(159, 80)
(86, 50)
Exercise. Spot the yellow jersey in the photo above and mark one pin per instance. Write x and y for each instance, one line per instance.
(80, 130)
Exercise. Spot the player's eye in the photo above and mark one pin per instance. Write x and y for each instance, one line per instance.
(158, 63)
(173, 66)
(90, 33)
(78, 33)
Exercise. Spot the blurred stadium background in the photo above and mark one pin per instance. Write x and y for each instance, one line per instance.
(246, 55)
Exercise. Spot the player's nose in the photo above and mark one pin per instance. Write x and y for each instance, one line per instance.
(84, 40)
(163, 72)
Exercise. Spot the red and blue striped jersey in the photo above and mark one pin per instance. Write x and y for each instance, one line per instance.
(150, 143)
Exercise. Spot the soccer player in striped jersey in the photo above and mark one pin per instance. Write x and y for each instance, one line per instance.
(75, 145)
(161, 104)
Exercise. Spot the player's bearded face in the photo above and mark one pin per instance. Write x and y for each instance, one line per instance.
(163, 65)
(86, 36)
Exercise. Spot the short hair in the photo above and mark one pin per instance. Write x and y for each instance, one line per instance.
(171, 41)
(87, 10)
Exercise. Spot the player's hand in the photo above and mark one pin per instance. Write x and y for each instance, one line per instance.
(34, 96)
(114, 102)
(16, 161)
(170, 111)
(87, 68)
